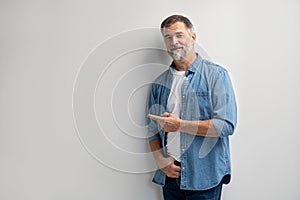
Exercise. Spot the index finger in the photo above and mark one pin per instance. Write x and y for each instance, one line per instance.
(175, 167)
(156, 117)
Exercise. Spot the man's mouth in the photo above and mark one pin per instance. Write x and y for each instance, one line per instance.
(176, 48)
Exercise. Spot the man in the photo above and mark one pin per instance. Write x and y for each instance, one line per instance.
(192, 112)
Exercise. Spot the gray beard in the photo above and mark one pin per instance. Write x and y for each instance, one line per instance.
(178, 55)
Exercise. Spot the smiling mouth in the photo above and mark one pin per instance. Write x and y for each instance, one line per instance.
(177, 48)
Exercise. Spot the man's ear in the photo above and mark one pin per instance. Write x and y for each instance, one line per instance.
(194, 36)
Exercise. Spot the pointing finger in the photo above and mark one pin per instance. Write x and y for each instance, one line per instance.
(156, 117)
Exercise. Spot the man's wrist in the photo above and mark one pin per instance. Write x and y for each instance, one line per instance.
(183, 124)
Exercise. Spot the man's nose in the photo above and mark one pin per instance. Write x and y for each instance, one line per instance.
(174, 40)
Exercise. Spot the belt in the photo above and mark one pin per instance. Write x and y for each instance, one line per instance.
(177, 163)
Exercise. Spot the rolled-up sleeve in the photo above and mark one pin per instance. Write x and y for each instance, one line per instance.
(224, 116)
(153, 108)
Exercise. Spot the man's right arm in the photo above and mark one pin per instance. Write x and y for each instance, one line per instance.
(166, 164)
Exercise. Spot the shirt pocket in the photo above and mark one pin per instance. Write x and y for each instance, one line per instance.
(204, 103)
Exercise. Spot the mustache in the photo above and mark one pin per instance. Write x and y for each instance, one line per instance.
(174, 47)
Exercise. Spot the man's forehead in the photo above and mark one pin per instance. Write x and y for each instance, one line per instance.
(166, 33)
(176, 27)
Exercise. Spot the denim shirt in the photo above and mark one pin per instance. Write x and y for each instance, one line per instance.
(207, 93)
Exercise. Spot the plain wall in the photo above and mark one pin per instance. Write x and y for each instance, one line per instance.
(74, 77)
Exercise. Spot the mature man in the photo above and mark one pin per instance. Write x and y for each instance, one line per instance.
(192, 112)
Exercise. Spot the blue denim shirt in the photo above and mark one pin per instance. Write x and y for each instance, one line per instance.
(207, 93)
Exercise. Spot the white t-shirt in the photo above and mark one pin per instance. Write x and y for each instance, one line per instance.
(174, 107)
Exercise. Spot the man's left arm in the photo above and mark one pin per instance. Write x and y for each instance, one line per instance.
(171, 123)
(224, 113)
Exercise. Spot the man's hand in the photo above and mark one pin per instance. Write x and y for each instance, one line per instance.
(166, 164)
(169, 168)
(168, 122)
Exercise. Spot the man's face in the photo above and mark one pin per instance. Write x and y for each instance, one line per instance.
(178, 40)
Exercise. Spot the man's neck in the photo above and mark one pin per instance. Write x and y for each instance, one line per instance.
(184, 63)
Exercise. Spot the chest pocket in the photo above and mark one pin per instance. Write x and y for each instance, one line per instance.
(204, 102)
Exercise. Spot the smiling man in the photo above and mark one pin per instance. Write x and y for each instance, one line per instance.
(192, 112)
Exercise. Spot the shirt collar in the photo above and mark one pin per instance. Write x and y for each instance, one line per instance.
(193, 67)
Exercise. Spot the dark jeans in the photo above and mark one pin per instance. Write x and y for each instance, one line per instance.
(172, 191)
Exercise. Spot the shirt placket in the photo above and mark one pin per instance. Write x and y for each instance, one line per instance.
(183, 142)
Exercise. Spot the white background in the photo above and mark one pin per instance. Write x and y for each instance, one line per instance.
(43, 44)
